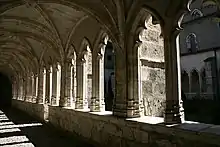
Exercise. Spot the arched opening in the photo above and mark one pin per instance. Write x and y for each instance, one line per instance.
(109, 76)
(5, 91)
(185, 82)
(195, 88)
(151, 68)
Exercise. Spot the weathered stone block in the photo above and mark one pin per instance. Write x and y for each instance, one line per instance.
(147, 88)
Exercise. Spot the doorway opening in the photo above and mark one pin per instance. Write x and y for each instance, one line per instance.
(109, 76)
(5, 91)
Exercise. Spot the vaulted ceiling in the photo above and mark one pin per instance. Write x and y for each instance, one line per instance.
(35, 31)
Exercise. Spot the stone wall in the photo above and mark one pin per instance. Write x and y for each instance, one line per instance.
(152, 72)
(39, 111)
(109, 131)
(103, 129)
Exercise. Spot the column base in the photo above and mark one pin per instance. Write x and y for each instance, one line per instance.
(65, 102)
(97, 105)
(47, 100)
(34, 99)
(126, 110)
(40, 100)
(54, 101)
(80, 103)
(174, 112)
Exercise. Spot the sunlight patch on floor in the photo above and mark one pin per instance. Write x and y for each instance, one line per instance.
(7, 127)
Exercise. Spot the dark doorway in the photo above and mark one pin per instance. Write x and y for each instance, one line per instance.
(109, 65)
(5, 91)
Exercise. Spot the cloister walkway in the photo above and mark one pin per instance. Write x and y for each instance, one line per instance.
(18, 129)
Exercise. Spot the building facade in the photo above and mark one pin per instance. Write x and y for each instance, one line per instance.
(200, 51)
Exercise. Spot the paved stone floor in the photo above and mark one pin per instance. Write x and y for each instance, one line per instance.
(18, 129)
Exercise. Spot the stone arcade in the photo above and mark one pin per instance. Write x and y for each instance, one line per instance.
(53, 51)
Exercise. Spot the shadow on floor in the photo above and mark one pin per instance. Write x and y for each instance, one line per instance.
(19, 129)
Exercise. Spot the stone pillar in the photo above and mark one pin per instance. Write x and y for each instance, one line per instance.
(66, 85)
(14, 89)
(29, 87)
(34, 90)
(174, 110)
(81, 92)
(98, 100)
(25, 80)
(74, 85)
(48, 85)
(54, 85)
(134, 101)
(20, 87)
(41, 86)
(17, 89)
(120, 100)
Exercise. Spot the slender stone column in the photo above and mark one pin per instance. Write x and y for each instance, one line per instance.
(55, 86)
(25, 80)
(135, 106)
(74, 83)
(29, 87)
(174, 110)
(20, 88)
(34, 91)
(17, 90)
(97, 100)
(66, 85)
(48, 85)
(13, 89)
(81, 92)
(41, 86)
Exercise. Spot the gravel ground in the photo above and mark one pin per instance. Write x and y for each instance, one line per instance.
(18, 129)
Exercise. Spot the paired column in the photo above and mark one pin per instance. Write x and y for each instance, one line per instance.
(41, 86)
(20, 87)
(174, 110)
(25, 79)
(48, 85)
(29, 87)
(66, 85)
(55, 85)
(34, 88)
(15, 89)
(98, 100)
(81, 98)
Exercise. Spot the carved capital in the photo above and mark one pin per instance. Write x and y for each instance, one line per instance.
(100, 56)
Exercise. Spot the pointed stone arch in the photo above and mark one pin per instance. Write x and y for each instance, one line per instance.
(195, 81)
(185, 81)
(145, 22)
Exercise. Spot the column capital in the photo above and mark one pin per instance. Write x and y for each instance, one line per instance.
(81, 60)
(48, 70)
(100, 56)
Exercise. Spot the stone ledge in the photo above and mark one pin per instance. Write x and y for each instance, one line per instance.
(191, 131)
(105, 129)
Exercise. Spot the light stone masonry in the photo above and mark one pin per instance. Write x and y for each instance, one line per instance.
(106, 130)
